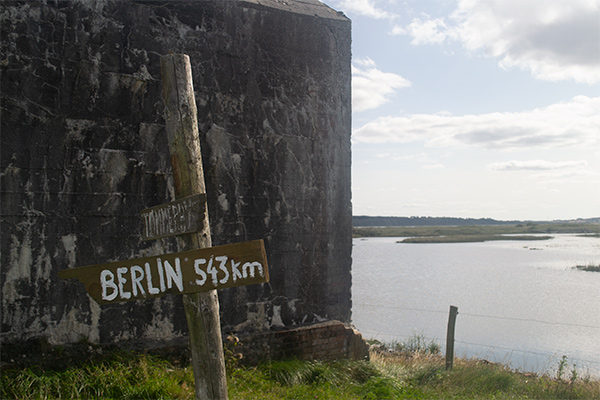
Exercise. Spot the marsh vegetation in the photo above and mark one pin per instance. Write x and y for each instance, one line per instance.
(589, 268)
(477, 233)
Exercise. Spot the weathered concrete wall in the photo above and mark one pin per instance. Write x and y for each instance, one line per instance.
(84, 150)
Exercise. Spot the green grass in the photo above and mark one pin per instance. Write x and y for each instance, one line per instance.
(426, 374)
(295, 379)
(124, 377)
(404, 370)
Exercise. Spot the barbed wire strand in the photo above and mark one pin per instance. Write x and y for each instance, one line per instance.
(483, 345)
(480, 315)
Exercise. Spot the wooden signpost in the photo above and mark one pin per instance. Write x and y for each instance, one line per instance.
(198, 270)
(190, 271)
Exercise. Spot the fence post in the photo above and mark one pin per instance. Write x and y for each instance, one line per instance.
(450, 337)
(201, 309)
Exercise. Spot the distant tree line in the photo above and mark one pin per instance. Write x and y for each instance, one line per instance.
(362, 220)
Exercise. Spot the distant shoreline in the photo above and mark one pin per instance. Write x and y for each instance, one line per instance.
(470, 238)
(472, 233)
(389, 221)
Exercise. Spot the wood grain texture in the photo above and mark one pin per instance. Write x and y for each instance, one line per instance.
(201, 309)
(450, 337)
(175, 218)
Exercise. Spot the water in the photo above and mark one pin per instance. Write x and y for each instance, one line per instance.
(519, 302)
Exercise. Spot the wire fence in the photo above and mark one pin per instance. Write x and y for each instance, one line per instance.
(588, 358)
(479, 315)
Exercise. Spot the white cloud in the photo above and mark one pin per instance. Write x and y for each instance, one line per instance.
(569, 174)
(372, 87)
(575, 123)
(398, 30)
(536, 165)
(364, 62)
(421, 159)
(365, 8)
(429, 31)
(553, 39)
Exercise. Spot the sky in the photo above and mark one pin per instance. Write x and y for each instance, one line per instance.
(475, 108)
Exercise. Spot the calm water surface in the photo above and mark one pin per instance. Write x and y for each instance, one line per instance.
(519, 302)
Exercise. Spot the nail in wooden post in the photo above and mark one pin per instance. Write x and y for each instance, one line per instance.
(201, 309)
(450, 337)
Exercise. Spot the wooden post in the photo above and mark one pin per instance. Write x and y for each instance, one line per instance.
(201, 309)
(450, 337)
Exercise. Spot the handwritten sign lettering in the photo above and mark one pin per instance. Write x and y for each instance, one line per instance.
(185, 272)
(176, 218)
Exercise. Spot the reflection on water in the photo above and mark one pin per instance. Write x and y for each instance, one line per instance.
(519, 302)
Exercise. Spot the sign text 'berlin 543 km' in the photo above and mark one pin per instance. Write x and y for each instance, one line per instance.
(190, 271)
